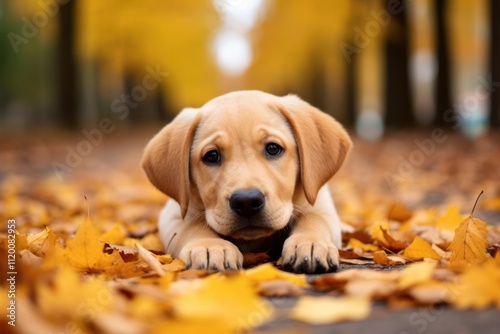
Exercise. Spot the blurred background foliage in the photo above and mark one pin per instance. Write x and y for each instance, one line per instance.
(373, 64)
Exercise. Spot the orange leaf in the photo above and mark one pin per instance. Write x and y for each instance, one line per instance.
(392, 244)
(380, 257)
(470, 242)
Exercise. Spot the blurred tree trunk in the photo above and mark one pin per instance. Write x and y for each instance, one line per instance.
(351, 90)
(442, 97)
(67, 108)
(398, 105)
(495, 62)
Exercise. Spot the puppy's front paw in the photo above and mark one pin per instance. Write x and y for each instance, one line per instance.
(211, 254)
(310, 256)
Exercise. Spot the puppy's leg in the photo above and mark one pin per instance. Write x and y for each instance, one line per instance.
(195, 243)
(312, 246)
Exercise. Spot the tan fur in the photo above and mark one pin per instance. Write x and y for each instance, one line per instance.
(299, 216)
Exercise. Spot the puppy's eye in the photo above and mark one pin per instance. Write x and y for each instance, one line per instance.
(273, 150)
(212, 157)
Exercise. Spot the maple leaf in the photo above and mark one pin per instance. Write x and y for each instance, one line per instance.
(470, 241)
(85, 252)
(420, 249)
(324, 310)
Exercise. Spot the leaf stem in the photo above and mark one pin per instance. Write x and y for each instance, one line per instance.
(477, 199)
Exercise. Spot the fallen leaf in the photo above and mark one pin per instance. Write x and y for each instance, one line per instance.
(41, 243)
(356, 261)
(391, 243)
(450, 220)
(355, 243)
(345, 254)
(470, 242)
(420, 249)
(85, 252)
(478, 286)
(267, 272)
(279, 288)
(174, 266)
(30, 259)
(371, 289)
(416, 273)
(430, 293)
(69, 292)
(232, 300)
(115, 235)
(380, 257)
(150, 259)
(253, 259)
(127, 253)
(399, 212)
(325, 310)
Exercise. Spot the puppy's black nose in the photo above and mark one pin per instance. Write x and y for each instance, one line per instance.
(247, 203)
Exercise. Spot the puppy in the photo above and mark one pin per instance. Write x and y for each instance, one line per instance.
(246, 172)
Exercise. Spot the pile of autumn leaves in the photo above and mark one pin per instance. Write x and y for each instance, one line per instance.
(106, 282)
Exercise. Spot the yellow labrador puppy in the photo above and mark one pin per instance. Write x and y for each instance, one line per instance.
(246, 172)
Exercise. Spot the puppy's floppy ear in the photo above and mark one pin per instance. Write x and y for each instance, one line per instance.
(322, 143)
(166, 157)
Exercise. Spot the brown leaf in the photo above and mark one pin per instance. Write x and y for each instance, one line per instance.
(254, 259)
(279, 288)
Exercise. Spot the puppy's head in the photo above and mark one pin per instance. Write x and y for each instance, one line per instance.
(243, 157)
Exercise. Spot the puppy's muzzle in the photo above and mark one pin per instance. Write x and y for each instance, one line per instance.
(247, 203)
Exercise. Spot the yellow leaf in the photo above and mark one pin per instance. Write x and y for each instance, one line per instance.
(115, 235)
(355, 243)
(416, 273)
(376, 230)
(268, 272)
(420, 249)
(450, 220)
(478, 286)
(470, 242)
(85, 251)
(70, 297)
(233, 300)
(324, 310)
(173, 266)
